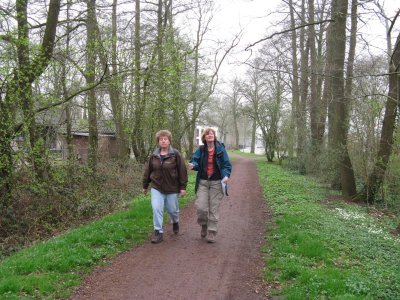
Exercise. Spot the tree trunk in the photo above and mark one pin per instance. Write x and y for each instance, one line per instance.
(194, 91)
(140, 103)
(347, 172)
(375, 180)
(160, 81)
(6, 161)
(302, 111)
(253, 136)
(22, 76)
(316, 141)
(295, 80)
(25, 92)
(235, 113)
(180, 109)
(90, 79)
(116, 103)
(68, 120)
(323, 105)
(340, 123)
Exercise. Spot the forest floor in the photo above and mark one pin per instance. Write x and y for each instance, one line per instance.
(185, 266)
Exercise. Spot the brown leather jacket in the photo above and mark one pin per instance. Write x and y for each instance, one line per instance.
(168, 175)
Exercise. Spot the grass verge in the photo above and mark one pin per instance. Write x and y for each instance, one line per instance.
(51, 269)
(319, 249)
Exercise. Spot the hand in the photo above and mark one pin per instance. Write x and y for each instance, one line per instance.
(145, 192)
(190, 166)
(225, 179)
(182, 193)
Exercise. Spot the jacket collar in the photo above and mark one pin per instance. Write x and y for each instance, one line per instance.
(218, 147)
(171, 151)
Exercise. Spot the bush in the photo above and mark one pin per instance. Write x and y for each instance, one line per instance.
(70, 196)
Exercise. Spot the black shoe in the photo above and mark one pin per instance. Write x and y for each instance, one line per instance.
(157, 238)
(175, 227)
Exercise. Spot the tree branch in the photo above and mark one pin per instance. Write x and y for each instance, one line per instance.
(286, 31)
(87, 88)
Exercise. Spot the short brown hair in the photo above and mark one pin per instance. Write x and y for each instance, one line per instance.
(205, 132)
(164, 132)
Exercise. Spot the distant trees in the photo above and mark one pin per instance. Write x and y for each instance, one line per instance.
(329, 90)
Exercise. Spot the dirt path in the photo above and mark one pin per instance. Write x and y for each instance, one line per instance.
(186, 266)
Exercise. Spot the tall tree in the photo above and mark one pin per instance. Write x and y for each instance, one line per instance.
(199, 96)
(314, 101)
(375, 179)
(113, 80)
(68, 118)
(340, 120)
(234, 100)
(139, 108)
(19, 83)
(302, 109)
(295, 77)
(254, 91)
(90, 79)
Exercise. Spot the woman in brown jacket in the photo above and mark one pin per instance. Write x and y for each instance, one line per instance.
(167, 173)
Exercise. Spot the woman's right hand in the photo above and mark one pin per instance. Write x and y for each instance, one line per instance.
(190, 166)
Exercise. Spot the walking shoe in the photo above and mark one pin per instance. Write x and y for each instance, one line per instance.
(203, 232)
(175, 227)
(157, 238)
(211, 236)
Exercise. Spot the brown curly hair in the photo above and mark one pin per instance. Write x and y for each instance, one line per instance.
(164, 132)
(205, 132)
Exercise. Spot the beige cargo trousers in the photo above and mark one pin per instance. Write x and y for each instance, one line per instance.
(209, 197)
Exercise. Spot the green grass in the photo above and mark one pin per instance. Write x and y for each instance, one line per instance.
(51, 269)
(245, 154)
(325, 250)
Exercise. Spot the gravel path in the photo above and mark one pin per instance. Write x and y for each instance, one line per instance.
(185, 266)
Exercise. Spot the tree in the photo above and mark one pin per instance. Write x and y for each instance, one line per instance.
(375, 180)
(234, 100)
(90, 79)
(340, 120)
(16, 90)
(254, 91)
(197, 96)
(295, 104)
(301, 112)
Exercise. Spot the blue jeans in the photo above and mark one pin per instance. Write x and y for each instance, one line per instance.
(158, 201)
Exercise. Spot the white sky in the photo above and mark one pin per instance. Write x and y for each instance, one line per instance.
(256, 16)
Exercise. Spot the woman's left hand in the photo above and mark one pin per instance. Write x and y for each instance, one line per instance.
(182, 193)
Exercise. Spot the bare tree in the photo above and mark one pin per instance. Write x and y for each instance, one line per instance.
(234, 100)
(302, 109)
(90, 79)
(340, 121)
(197, 97)
(375, 180)
(295, 77)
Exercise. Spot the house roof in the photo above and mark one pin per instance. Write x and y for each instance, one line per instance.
(104, 127)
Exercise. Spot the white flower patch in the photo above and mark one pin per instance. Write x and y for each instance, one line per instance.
(365, 225)
(375, 231)
(349, 215)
